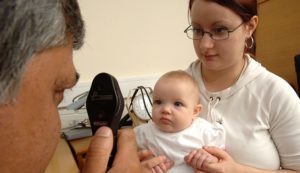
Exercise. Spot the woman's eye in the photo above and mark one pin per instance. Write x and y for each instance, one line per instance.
(219, 30)
(178, 104)
(198, 31)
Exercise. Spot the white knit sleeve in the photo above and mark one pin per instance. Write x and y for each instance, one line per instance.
(284, 106)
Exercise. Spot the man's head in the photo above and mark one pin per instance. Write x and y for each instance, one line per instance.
(36, 43)
(30, 27)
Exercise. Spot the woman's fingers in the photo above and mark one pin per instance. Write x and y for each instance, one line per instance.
(215, 151)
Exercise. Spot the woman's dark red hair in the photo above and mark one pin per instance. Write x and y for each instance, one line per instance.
(246, 9)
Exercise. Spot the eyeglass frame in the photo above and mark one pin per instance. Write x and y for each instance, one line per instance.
(209, 33)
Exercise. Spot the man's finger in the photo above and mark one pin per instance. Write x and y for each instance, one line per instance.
(127, 156)
(99, 151)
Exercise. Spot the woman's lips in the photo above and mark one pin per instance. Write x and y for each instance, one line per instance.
(209, 57)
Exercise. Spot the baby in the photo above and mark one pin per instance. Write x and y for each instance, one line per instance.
(176, 131)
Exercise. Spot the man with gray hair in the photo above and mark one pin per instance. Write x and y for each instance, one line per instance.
(37, 38)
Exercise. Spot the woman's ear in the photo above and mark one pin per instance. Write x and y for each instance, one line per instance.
(251, 26)
(197, 109)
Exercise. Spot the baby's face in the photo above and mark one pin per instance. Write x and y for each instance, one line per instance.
(174, 105)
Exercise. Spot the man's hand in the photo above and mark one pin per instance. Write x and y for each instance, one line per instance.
(126, 159)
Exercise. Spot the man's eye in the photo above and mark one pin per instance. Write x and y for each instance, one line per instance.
(58, 96)
(178, 104)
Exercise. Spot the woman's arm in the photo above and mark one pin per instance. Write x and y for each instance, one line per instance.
(227, 165)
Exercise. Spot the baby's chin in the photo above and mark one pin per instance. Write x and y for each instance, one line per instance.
(169, 128)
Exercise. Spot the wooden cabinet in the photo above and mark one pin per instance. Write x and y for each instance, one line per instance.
(278, 37)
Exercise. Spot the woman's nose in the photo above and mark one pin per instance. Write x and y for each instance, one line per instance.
(206, 42)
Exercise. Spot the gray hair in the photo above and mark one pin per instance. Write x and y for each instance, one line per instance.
(28, 27)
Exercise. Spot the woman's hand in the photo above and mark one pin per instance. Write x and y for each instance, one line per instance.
(126, 160)
(159, 164)
(198, 158)
(225, 164)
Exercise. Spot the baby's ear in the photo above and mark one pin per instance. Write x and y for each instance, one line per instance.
(197, 110)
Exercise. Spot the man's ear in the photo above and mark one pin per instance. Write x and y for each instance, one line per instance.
(197, 109)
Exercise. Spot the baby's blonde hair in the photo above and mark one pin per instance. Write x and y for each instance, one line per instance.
(183, 75)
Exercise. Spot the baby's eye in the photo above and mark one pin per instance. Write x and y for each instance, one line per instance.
(178, 104)
(157, 102)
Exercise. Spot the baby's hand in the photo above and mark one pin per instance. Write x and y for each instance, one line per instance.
(163, 167)
(197, 158)
(158, 164)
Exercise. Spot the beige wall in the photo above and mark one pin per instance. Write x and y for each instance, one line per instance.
(131, 38)
(278, 37)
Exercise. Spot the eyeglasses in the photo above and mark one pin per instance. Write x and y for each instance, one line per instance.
(219, 33)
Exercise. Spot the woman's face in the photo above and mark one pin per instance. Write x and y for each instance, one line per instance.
(221, 54)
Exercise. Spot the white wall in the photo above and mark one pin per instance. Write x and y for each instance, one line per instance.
(132, 38)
